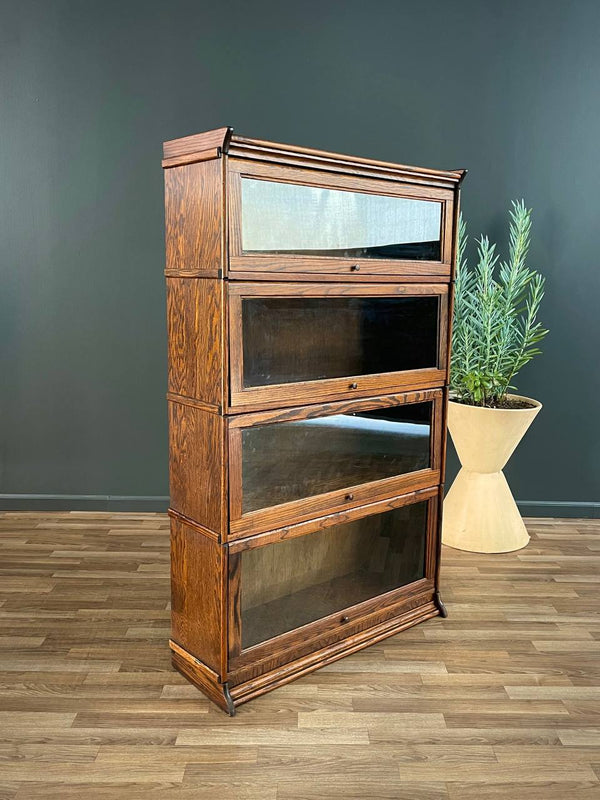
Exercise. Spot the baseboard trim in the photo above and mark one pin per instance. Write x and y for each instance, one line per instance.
(160, 503)
(83, 502)
(566, 508)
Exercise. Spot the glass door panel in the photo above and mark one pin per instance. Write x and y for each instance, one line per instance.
(299, 343)
(287, 461)
(297, 581)
(288, 218)
(293, 339)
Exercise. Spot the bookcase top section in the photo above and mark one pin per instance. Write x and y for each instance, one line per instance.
(223, 141)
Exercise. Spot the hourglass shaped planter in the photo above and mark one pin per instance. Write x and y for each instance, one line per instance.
(480, 513)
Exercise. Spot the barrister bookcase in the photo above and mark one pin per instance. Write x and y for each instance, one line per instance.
(309, 306)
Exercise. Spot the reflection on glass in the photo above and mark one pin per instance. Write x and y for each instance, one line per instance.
(291, 218)
(294, 582)
(289, 339)
(288, 461)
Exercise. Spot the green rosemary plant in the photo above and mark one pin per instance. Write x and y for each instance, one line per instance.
(495, 331)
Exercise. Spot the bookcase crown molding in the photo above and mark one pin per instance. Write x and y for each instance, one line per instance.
(223, 141)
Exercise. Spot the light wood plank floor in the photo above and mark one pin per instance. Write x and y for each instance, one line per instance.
(501, 700)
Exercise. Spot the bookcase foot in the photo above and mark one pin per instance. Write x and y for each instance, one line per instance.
(228, 700)
(437, 599)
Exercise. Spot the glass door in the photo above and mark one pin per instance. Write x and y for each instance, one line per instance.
(290, 465)
(302, 342)
(294, 220)
(334, 575)
(287, 218)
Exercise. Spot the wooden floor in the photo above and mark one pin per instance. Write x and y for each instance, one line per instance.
(501, 700)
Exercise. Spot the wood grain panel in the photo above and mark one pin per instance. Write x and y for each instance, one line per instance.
(197, 465)
(281, 266)
(197, 608)
(349, 279)
(334, 290)
(194, 217)
(358, 386)
(336, 518)
(195, 354)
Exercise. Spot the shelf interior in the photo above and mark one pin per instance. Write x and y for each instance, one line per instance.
(297, 581)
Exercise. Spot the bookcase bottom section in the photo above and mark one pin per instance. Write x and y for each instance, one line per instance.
(229, 695)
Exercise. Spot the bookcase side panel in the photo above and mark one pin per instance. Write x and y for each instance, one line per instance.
(197, 465)
(197, 595)
(194, 218)
(195, 331)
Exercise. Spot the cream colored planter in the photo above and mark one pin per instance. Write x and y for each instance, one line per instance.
(480, 513)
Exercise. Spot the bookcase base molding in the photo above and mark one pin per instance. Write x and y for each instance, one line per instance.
(230, 695)
(309, 305)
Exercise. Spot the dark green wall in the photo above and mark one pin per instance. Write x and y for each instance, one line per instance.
(89, 90)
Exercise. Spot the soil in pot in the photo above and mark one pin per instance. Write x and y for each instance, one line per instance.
(507, 402)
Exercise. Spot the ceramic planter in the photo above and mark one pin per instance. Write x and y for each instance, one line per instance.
(480, 513)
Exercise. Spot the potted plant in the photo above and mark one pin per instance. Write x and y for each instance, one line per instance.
(495, 335)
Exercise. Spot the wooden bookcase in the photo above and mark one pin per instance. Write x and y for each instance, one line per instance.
(309, 306)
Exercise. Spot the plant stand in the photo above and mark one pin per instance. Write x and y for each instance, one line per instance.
(480, 513)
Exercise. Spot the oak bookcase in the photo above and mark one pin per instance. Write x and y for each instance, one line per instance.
(309, 308)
